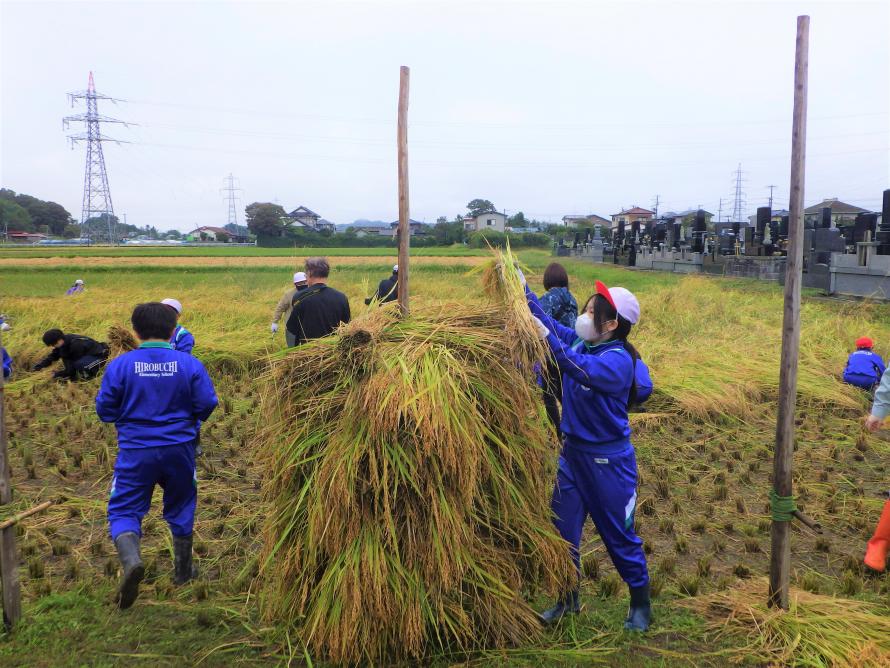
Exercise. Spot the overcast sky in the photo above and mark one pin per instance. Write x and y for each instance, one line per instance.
(545, 107)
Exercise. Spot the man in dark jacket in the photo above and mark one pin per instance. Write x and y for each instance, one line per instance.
(318, 310)
(81, 356)
(388, 290)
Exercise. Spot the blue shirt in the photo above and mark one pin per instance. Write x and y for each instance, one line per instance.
(182, 340)
(156, 396)
(560, 305)
(864, 368)
(7, 364)
(644, 381)
(596, 382)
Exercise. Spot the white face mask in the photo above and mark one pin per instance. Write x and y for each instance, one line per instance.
(585, 329)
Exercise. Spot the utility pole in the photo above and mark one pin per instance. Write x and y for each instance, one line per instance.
(781, 499)
(720, 211)
(655, 206)
(771, 188)
(230, 191)
(96, 193)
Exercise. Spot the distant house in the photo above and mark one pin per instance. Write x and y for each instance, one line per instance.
(309, 219)
(26, 237)
(589, 219)
(776, 217)
(841, 212)
(488, 220)
(209, 233)
(631, 215)
(684, 217)
(414, 227)
(367, 228)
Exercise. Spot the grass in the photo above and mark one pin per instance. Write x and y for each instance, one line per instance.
(706, 435)
(228, 251)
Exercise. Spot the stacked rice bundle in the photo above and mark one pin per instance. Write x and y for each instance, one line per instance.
(409, 476)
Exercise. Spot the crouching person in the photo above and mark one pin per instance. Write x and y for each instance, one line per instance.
(156, 397)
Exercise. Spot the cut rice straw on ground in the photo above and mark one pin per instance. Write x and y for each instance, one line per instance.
(816, 630)
(409, 475)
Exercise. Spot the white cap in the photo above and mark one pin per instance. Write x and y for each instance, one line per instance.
(623, 300)
(174, 304)
(395, 268)
(300, 277)
(79, 281)
(4, 326)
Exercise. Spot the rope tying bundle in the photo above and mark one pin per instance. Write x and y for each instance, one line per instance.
(782, 507)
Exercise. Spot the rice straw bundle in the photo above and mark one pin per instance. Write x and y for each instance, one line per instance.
(120, 340)
(816, 631)
(409, 475)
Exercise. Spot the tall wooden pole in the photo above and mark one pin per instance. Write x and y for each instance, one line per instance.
(9, 563)
(780, 556)
(404, 213)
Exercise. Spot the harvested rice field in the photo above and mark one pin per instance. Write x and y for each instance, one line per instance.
(704, 447)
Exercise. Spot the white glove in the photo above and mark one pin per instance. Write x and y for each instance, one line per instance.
(274, 327)
(522, 280)
(542, 328)
(5, 327)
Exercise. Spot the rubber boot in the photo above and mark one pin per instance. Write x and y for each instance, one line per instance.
(876, 551)
(640, 614)
(184, 569)
(127, 545)
(569, 604)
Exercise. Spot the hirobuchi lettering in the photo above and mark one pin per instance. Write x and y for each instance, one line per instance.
(155, 367)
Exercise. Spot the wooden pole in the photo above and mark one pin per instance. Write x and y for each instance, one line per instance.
(15, 519)
(9, 563)
(404, 214)
(780, 555)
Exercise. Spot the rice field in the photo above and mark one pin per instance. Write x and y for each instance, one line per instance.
(704, 445)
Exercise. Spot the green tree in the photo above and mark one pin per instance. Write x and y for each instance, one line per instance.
(265, 218)
(71, 231)
(518, 220)
(222, 237)
(479, 206)
(14, 217)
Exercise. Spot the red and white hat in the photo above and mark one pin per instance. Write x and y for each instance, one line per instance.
(622, 300)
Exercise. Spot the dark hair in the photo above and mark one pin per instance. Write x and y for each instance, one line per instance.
(51, 336)
(603, 311)
(153, 320)
(317, 267)
(555, 276)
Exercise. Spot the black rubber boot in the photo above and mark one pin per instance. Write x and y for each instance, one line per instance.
(127, 545)
(184, 569)
(567, 605)
(640, 614)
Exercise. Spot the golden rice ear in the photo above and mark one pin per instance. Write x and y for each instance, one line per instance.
(121, 340)
(409, 472)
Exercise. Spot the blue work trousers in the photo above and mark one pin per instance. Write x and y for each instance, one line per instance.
(604, 487)
(137, 471)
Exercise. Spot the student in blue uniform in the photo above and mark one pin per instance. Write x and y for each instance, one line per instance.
(182, 339)
(864, 366)
(597, 473)
(644, 381)
(155, 396)
(559, 304)
(7, 364)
